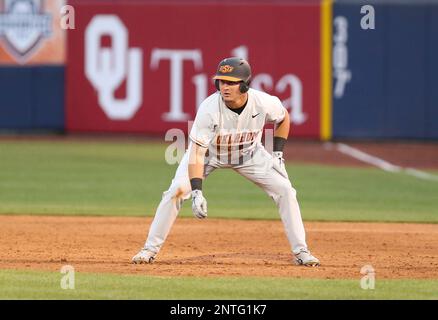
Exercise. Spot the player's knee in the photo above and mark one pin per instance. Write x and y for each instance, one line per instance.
(285, 188)
(294, 192)
(178, 190)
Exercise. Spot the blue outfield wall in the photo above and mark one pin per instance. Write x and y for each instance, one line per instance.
(32, 98)
(392, 91)
(432, 75)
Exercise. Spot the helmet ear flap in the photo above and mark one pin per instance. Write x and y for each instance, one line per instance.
(244, 87)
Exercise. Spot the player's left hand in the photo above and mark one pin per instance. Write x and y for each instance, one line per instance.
(279, 163)
(199, 204)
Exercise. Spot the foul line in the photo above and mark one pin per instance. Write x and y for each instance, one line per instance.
(382, 164)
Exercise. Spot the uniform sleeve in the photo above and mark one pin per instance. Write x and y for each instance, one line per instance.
(276, 112)
(204, 129)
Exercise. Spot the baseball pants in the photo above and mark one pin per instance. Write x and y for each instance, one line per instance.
(258, 169)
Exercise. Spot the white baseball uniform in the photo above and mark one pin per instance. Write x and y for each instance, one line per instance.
(234, 141)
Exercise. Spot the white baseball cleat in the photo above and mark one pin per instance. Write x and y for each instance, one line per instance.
(305, 258)
(144, 256)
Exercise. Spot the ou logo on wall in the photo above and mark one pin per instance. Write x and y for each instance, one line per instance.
(107, 68)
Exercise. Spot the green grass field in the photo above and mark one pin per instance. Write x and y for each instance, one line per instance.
(77, 178)
(127, 179)
(47, 285)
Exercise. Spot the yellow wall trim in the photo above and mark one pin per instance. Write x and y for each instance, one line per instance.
(326, 23)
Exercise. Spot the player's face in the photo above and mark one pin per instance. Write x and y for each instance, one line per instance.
(230, 90)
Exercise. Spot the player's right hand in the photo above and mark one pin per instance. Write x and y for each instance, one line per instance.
(199, 204)
(279, 163)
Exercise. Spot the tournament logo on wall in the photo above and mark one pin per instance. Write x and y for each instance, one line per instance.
(27, 27)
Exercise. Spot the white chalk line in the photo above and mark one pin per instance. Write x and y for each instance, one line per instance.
(382, 164)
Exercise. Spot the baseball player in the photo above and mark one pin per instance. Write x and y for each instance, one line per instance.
(227, 133)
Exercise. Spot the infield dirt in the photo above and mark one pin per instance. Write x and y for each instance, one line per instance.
(218, 247)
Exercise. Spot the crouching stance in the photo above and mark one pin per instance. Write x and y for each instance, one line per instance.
(229, 125)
